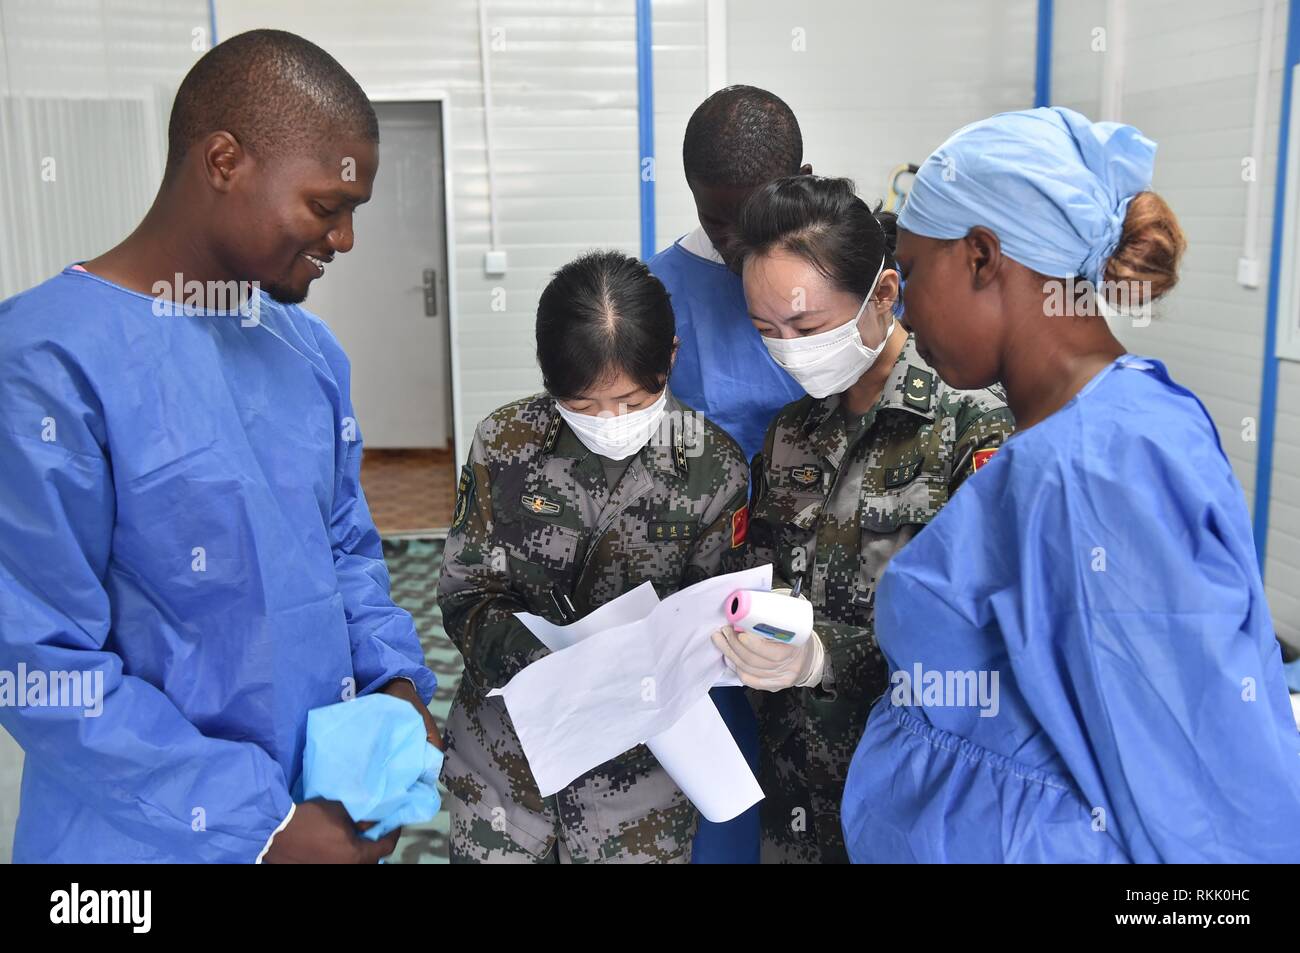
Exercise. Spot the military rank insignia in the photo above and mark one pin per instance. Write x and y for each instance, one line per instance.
(806, 476)
(540, 505)
(552, 432)
(679, 452)
(981, 457)
(464, 493)
(739, 526)
(916, 388)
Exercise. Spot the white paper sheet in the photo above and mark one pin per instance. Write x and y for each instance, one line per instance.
(629, 607)
(699, 753)
(633, 671)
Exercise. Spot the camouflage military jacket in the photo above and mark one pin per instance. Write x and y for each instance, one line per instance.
(835, 497)
(536, 529)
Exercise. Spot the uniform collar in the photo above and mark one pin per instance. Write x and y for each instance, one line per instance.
(910, 387)
(559, 440)
(912, 384)
(697, 243)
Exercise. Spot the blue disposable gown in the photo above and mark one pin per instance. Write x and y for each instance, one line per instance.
(722, 370)
(180, 512)
(1102, 564)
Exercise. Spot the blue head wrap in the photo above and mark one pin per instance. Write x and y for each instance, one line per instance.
(1051, 184)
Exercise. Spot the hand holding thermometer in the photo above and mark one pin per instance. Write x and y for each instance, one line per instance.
(773, 615)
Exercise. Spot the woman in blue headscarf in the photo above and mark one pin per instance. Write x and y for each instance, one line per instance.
(1083, 665)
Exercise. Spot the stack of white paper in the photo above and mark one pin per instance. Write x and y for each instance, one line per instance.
(637, 670)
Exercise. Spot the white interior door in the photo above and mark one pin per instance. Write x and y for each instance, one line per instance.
(386, 300)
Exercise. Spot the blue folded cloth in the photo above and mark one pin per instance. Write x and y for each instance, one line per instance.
(372, 754)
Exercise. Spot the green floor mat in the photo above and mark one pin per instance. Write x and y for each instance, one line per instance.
(413, 565)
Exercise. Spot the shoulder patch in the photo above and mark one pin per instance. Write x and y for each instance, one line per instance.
(739, 526)
(916, 388)
(981, 457)
(464, 494)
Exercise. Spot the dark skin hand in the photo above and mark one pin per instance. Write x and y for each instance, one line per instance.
(402, 688)
(718, 208)
(980, 318)
(321, 832)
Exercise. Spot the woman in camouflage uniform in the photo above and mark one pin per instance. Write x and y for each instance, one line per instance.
(558, 511)
(847, 476)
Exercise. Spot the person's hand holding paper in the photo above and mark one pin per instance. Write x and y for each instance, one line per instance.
(635, 671)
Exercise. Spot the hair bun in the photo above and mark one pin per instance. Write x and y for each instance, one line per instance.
(888, 222)
(1149, 249)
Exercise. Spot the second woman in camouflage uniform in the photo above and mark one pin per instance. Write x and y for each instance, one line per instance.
(558, 511)
(847, 476)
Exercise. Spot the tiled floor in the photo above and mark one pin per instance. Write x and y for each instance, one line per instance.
(409, 491)
(413, 565)
(413, 492)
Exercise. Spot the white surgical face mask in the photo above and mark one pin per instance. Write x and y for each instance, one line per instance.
(829, 362)
(620, 436)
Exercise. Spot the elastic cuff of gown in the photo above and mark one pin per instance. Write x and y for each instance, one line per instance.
(283, 824)
(416, 685)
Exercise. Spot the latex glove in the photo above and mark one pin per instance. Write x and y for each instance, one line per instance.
(770, 665)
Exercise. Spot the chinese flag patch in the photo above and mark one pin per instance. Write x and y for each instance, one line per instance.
(981, 457)
(739, 526)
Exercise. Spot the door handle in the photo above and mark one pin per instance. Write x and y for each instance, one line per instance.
(430, 292)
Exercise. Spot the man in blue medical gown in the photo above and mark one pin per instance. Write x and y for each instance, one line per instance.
(187, 562)
(739, 139)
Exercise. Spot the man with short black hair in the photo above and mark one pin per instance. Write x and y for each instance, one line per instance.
(182, 527)
(737, 140)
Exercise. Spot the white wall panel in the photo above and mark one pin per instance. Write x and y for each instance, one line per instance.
(1189, 84)
(88, 83)
(878, 83)
(681, 84)
(564, 132)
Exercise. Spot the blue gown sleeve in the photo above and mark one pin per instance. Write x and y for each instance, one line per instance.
(384, 642)
(137, 761)
(1143, 644)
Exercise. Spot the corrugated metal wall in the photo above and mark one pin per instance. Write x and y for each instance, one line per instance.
(74, 117)
(564, 132)
(877, 83)
(1282, 573)
(564, 91)
(1189, 82)
(89, 84)
(681, 84)
(874, 84)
